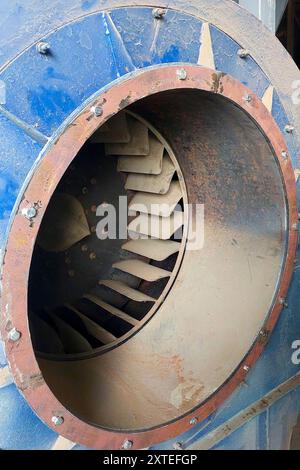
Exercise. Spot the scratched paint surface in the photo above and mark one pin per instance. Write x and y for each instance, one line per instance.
(50, 87)
(18, 153)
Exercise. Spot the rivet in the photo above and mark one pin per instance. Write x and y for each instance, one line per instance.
(14, 335)
(193, 421)
(57, 420)
(295, 226)
(284, 154)
(43, 47)
(84, 248)
(181, 74)
(92, 256)
(97, 110)
(29, 212)
(159, 13)
(71, 273)
(289, 129)
(127, 444)
(243, 53)
(84, 190)
(246, 368)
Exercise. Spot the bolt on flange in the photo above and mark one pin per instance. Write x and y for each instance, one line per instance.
(97, 110)
(57, 420)
(243, 53)
(159, 13)
(127, 445)
(181, 74)
(29, 212)
(43, 47)
(14, 335)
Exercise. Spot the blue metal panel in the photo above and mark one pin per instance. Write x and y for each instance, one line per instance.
(227, 60)
(20, 427)
(174, 39)
(244, 438)
(3, 360)
(55, 85)
(18, 153)
(282, 120)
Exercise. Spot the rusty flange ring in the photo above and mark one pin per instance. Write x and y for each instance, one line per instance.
(60, 153)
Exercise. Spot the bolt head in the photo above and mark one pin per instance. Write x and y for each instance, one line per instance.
(247, 98)
(127, 444)
(243, 53)
(29, 212)
(295, 226)
(289, 129)
(159, 13)
(263, 333)
(181, 74)
(283, 302)
(57, 420)
(14, 335)
(177, 446)
(43, 47)
(193, 421)
(97, 110)
(284, 154)
(246, 368)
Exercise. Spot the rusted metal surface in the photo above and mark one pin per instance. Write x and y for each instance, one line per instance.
(23, 235)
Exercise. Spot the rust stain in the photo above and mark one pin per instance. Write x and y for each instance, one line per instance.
(216, 83)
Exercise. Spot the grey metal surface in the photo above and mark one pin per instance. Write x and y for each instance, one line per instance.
(269, 12)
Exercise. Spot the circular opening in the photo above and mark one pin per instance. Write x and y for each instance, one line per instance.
(207, 313)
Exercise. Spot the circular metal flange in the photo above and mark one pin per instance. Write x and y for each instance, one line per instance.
(22, 237)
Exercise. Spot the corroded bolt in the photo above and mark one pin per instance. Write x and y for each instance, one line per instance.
(193, 421)
(289, 129)
(97, 110)
(57, 420)
(127, 445)
(181, 74)
(14, 335)
(159, 13)
(29, 212)
(43, 47)
(243, 53)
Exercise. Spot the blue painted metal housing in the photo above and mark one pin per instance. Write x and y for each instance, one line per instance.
(92, 50)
